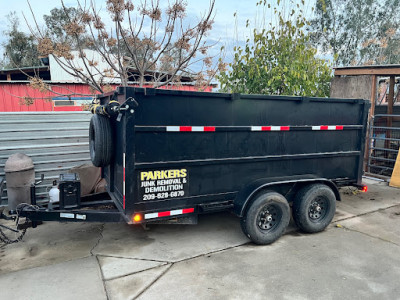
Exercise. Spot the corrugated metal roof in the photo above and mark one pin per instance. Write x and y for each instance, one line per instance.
(57, 72)
(33, 68)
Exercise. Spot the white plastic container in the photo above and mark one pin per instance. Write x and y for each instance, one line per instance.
(54, 194)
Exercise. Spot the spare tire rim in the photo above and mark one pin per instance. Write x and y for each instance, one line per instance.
(318, 208)
(269, 217)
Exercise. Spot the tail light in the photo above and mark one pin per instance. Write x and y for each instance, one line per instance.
(137, 218)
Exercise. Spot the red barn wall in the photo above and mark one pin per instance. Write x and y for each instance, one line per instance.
(11, 95)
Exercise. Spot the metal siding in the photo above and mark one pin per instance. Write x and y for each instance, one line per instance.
(10, 97)
(56, 141)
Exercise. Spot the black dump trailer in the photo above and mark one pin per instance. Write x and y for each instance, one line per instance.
(168, 156)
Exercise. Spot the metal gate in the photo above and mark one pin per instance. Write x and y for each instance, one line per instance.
(384, 142)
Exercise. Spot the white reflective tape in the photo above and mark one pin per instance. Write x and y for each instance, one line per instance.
(316, 127)
(332, 127)
(173, 128)
(151, 216)
(275, 128)
(81, 217)
(176, 212)
(256, 128)
(197, 128)
(67, 216)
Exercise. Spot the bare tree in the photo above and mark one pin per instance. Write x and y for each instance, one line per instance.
(148, 44)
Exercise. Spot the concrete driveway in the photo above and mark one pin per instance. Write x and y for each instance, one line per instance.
(355, 258)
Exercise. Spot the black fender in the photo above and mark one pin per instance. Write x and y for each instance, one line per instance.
(245, 195)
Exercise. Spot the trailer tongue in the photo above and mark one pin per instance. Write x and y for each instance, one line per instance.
(168, 156)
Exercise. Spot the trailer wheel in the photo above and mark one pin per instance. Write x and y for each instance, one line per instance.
(314, 207)
(266, 219)
(100, 141)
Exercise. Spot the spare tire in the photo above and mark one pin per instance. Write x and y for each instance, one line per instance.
(100, 141)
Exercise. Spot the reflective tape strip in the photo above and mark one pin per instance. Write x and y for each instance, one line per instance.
(169, 213)
(190, 128)
(270, 128)
(203, 128)
(173, 128)
(123, 181)
(330, 127)
(176, 212)
(252, 128)
(151, 216)
(164, 214)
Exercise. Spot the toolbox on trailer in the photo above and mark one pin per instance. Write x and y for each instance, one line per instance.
(168, 155)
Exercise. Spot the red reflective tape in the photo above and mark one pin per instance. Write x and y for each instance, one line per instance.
(324, 127)
(164, 214)
(339, 127)
(285, 128)
(187, 210)
(124, 174)
(209, 128)
(124, 200)
(185, 128)
(266, 128)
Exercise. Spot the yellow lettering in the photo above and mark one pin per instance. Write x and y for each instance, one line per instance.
(163, 174)
(183, 172)
(143, 175)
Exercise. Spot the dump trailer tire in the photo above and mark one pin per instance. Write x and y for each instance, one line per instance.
(266, 219)
(314, 207)
(100, 141)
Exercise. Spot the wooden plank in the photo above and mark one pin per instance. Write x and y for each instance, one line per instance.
(373, 96)
(358, 87)
(389, 112)
(395, 179)
(370, 119)
(365, 71)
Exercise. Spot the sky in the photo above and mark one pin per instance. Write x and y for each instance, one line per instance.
(228, 31)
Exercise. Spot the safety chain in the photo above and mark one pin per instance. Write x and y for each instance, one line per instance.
(4, 238)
